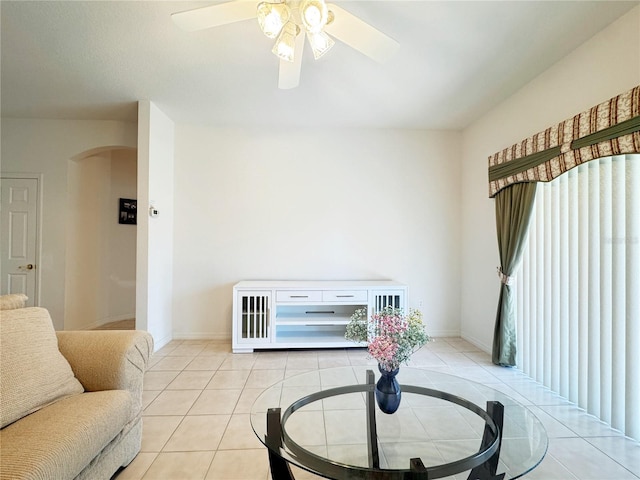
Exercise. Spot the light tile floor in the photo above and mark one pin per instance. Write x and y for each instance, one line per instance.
(198, 397)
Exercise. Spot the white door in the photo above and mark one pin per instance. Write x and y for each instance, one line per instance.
(18, 240)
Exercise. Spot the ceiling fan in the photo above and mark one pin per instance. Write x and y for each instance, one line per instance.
(288, 22)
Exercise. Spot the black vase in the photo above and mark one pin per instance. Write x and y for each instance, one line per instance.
(388, 393)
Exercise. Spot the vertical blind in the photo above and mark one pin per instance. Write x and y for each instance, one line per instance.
(578, 291)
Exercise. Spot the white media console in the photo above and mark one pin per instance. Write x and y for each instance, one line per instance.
(305, 314)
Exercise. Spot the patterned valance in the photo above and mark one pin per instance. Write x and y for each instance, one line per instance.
(611, 128)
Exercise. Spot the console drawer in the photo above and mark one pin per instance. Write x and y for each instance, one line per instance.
(299, 295)
(344, 296)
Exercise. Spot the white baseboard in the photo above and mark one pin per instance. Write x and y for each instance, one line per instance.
(159, 343)
(481, 345)
(221, 337)
(117, 318)
(214, 337)
(103, 321)
(89, 326)
(443, 333)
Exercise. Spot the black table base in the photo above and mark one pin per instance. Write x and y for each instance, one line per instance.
(279, 467)
(483, 465)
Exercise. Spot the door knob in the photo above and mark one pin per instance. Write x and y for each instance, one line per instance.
(29, 266)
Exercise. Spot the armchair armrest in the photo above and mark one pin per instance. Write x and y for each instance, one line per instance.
(107, 359)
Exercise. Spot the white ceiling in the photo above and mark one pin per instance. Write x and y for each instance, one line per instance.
(457, 60)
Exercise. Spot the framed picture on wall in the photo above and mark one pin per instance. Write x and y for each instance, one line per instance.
(128, 211)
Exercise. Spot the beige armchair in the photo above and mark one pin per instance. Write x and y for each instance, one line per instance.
(70, 402)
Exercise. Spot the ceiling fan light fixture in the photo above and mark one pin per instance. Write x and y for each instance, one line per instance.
(272, 17)
(314, 15)
(320, 43)
(286, 43)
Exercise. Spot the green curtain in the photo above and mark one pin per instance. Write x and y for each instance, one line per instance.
(514, 205)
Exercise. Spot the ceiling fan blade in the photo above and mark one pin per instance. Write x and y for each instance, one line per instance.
(358, 34)
(289, 74)
(215, 15)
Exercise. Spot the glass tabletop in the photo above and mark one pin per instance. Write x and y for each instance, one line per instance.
(326, 426)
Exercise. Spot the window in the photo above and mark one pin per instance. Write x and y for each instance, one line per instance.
(578, 290)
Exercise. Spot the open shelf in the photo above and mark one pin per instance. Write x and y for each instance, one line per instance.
(300, 335)
(316, 319)
(315, 315)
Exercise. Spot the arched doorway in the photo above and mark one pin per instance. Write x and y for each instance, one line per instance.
(100, 269)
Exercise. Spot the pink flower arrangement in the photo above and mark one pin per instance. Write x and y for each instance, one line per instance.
(391, 336)
(383, 348)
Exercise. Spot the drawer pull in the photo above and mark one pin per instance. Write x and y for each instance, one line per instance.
(345, 296)
(326, 312)
(298, 296)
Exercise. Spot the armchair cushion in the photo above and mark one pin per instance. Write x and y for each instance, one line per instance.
(34, 372)
(61, 440)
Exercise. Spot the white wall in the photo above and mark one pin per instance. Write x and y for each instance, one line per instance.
(46, 146)
(154, 270)
(121, 271)
(88, 193)
(314, 205)
(603, 67)
(305, 204)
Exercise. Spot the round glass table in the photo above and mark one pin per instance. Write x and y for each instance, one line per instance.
(327, 422)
